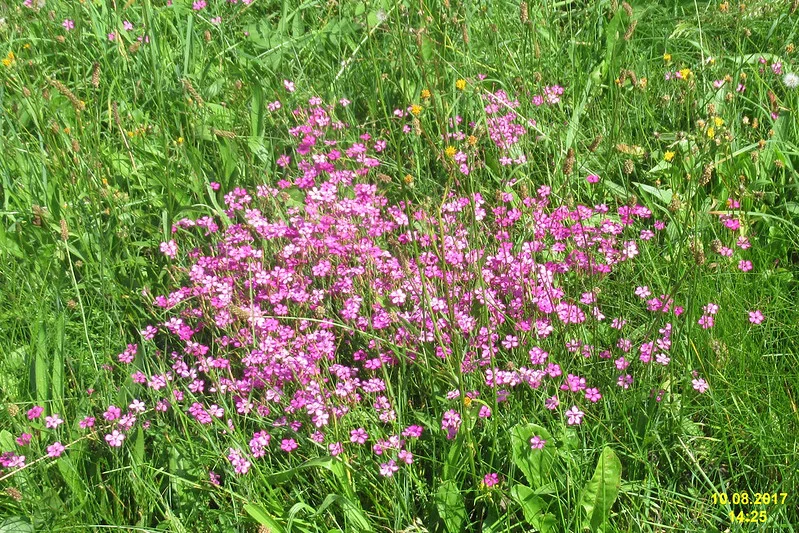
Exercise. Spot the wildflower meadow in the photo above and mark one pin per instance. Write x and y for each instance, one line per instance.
(399, 266)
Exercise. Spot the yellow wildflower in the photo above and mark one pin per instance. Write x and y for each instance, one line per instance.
(9, 60)
(460, 84)
(416, 109)
(449, 151)
(408, 179)
(669, 155)
(472, 140)
(642, 83)
(724, 7)
(711, 132)
(467, 401)
(180, 140)
(425, 94)
(667, 57)
(718, 121)
(685, 73)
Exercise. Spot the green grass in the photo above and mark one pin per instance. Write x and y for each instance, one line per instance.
(87, 195)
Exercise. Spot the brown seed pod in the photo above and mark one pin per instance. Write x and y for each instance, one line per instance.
(627, 8)
(630, 29)
(707, 173)
(629, 167)
(96, 75)
(568, 165)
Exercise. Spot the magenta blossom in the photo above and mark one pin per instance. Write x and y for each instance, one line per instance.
(575, 416)
(756, 317)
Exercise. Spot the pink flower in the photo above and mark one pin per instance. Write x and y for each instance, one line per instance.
(405, 456)
(700, 385)
(388, 469)
(744, 266)
(52, 422)
(115, 438)
(537, 443)
(491, 480)
(592, 178)
(112, 413)
(87, 422)
(55, 450)
(289, 85)
(288, 445)
(552, 403)
(358, 436)
(756, 317)
(35, 412)
(335, 448)
(112, 36)
(216, 21)
(68, 24)
(169, 249)
(137, 406)
(706, 321)
(643, 292)
(240, 463)
(24, 439)
(127, 25)
(575, 416)
(199, 5)
(592, 395)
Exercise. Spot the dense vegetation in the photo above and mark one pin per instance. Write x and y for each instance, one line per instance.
(412, 266)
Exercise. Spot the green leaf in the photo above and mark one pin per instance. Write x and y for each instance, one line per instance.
(356, 517)
(7, 440)
(70, 474)
(599, 494)
(138, 447)
(533, 507)
(663, 195)
(535, 464)
(427, 47)
(454, 458)
(451, 508)
(281, 477)
(16, 524)
(57, 387)
(41, 369)
(263, 518)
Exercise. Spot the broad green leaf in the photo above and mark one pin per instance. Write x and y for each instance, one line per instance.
(535, 464)
(533, 507)
(6, 441)
(57, 387)
(599, 494)
(67, 468)
(451, 508)
(41, 370)
(663, 195)
(262, 517)
(138, 447)
(281, 477)
(16, 524)
(356, 517)
(454, 458)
